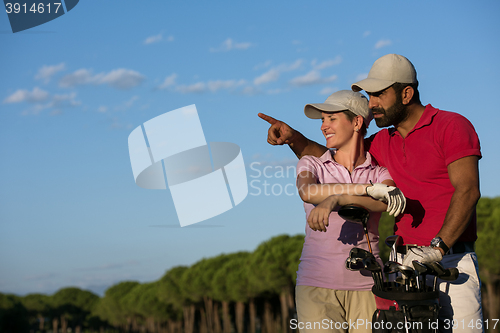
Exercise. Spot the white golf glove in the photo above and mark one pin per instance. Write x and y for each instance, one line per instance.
(424, 255)
(392, 196)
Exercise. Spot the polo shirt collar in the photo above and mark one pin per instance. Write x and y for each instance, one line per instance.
(328, 157)
(425, 119)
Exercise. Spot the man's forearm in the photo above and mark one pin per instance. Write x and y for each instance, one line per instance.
(459, 214)
(302, 146)
(464, 176)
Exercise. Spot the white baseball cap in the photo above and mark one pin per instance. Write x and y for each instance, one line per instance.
(341, 100)
(386, 71)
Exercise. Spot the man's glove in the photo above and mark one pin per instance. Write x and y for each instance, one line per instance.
(423, 255)
(392, 196)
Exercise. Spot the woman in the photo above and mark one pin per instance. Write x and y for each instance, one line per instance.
(329, 297)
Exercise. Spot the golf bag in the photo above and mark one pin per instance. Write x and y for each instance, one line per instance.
(401, 311)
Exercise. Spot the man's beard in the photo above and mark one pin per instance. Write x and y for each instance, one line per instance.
(394, 115)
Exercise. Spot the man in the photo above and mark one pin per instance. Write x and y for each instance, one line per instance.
(432, 155)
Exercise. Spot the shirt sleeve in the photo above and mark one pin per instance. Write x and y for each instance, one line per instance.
(459, 140)
(307, 163)
(383, 174)
(373, 143)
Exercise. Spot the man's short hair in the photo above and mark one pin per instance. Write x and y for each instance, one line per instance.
(399, 87)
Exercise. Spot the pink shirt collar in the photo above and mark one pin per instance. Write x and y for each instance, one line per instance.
(328, 157)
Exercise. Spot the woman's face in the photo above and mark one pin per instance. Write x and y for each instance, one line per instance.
(337, 129)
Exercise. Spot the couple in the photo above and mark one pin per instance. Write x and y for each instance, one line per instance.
(432, 156)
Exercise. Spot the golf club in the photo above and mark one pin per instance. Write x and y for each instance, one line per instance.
(391, 267)
(422, 270)
(372, 265)
(451, 274)
(432, 271)
(359, 215)
(356, 252)
(354, 264)
(438, 267)
(361, 259)
(393, 242)
(407, 273)
(446, 274)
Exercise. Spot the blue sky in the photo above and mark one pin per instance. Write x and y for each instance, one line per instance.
(73, 89)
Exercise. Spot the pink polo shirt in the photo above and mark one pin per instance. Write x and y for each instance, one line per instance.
(322, 263)
(419, 166)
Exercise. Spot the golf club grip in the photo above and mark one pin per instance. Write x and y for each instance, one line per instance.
(450, 274)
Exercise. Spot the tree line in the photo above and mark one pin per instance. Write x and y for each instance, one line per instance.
(242, 292)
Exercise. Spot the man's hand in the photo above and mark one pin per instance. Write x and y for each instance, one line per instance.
(279, 133)
(424, 255)
(392, 196)
(319, 216)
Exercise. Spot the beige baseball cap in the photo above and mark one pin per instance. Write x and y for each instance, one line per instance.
(386, 71)
(340, 101)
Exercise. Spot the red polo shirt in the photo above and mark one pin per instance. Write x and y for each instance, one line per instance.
(418, 165)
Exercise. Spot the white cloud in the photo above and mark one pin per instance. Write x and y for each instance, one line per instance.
(65, 100)
(271, 75)
(42, 100)
(296, 42)
(122, 78)
(250, 90)
(274, 73)
(367, 33)
(229, 45)
(119, 78)
(313, 77)
(46, 72)
(157, 38)
(212, 86)
(36, 109)
(274, 91)
(293, 66)
(168, 82)
(310, 78)
(221, 84)
(79, 77)
(35, 96)
(328, 90)
(198, 87)
(116, 123)
(327, 63)
(123, 106)
(127, 104)
(382, 43)
(153, 39)
(262, 65)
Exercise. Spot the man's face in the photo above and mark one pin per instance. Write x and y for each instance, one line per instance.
(387, 107)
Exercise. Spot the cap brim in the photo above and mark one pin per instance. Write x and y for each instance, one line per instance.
(313, 111)
(371, 85)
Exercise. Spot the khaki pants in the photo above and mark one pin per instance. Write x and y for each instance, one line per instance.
(322, 310)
